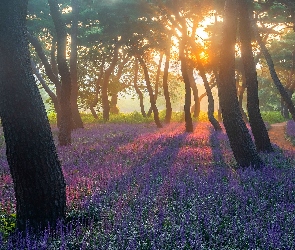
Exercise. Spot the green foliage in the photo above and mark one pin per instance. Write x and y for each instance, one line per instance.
(272, 117)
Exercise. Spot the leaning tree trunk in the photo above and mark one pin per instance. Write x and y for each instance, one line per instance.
(76, 121)
(53, 96)
(64, 135)
(187, 105)
(35, 169)
(53, 76)
(165, 86)
(274, 76)
(139, 93)
(211, 117)
(151, 94)
(240, 140)
(156, 83)
(259, 131)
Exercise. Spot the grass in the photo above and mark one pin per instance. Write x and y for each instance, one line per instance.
(136, 117)
(133, 186)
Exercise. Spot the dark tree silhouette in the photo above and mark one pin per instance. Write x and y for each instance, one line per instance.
(165, 84)
(35, 169)
(240, 140)
(259, 131)
(187, 106)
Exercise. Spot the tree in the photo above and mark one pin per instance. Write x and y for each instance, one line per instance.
(150, 90)
(35, 169)
(284, 94)
(259, 131)
(240, 140)
(77, 121)
(64, 135)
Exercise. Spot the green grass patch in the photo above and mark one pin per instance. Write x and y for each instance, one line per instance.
(273, 117)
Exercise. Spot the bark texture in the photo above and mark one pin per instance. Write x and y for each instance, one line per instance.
(240, 140)
(258, 128)
(36, 172)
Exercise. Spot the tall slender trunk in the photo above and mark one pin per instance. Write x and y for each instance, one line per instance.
(210, 112)
(150, 90)
(274, 76)
(98, 82)
(105, 84)
(139, 93)
(165, 85)
(156, 82)
(64, 135)
(196, 107)
(259, 131)
(77, 121)
(33, 162)
(187, 105)
(240, 140)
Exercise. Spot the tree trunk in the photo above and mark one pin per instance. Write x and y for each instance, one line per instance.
(165, 86)
(196, 107)
(258, 128)
(77, 121)
(240, 140)
(64, 135)
(53, 76)
(187, 105)
(104, 88)
(35, 169)
(274, 76)
(140, 95)
(241, 92)
(156, 83)
(113, 105)
(93, 104)
(211, 117)
(151, 94)
(53, 97)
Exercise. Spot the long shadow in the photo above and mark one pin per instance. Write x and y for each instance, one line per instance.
(215, 142)
(144, 178)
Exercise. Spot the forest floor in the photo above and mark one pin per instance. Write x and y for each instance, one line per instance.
(277, 135)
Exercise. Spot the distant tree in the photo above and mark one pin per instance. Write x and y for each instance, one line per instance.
(137, 89)
(240, 140)
(165, 83)
(150, 90)
(35, 169)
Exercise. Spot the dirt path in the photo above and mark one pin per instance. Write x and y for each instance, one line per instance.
(277, 135)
